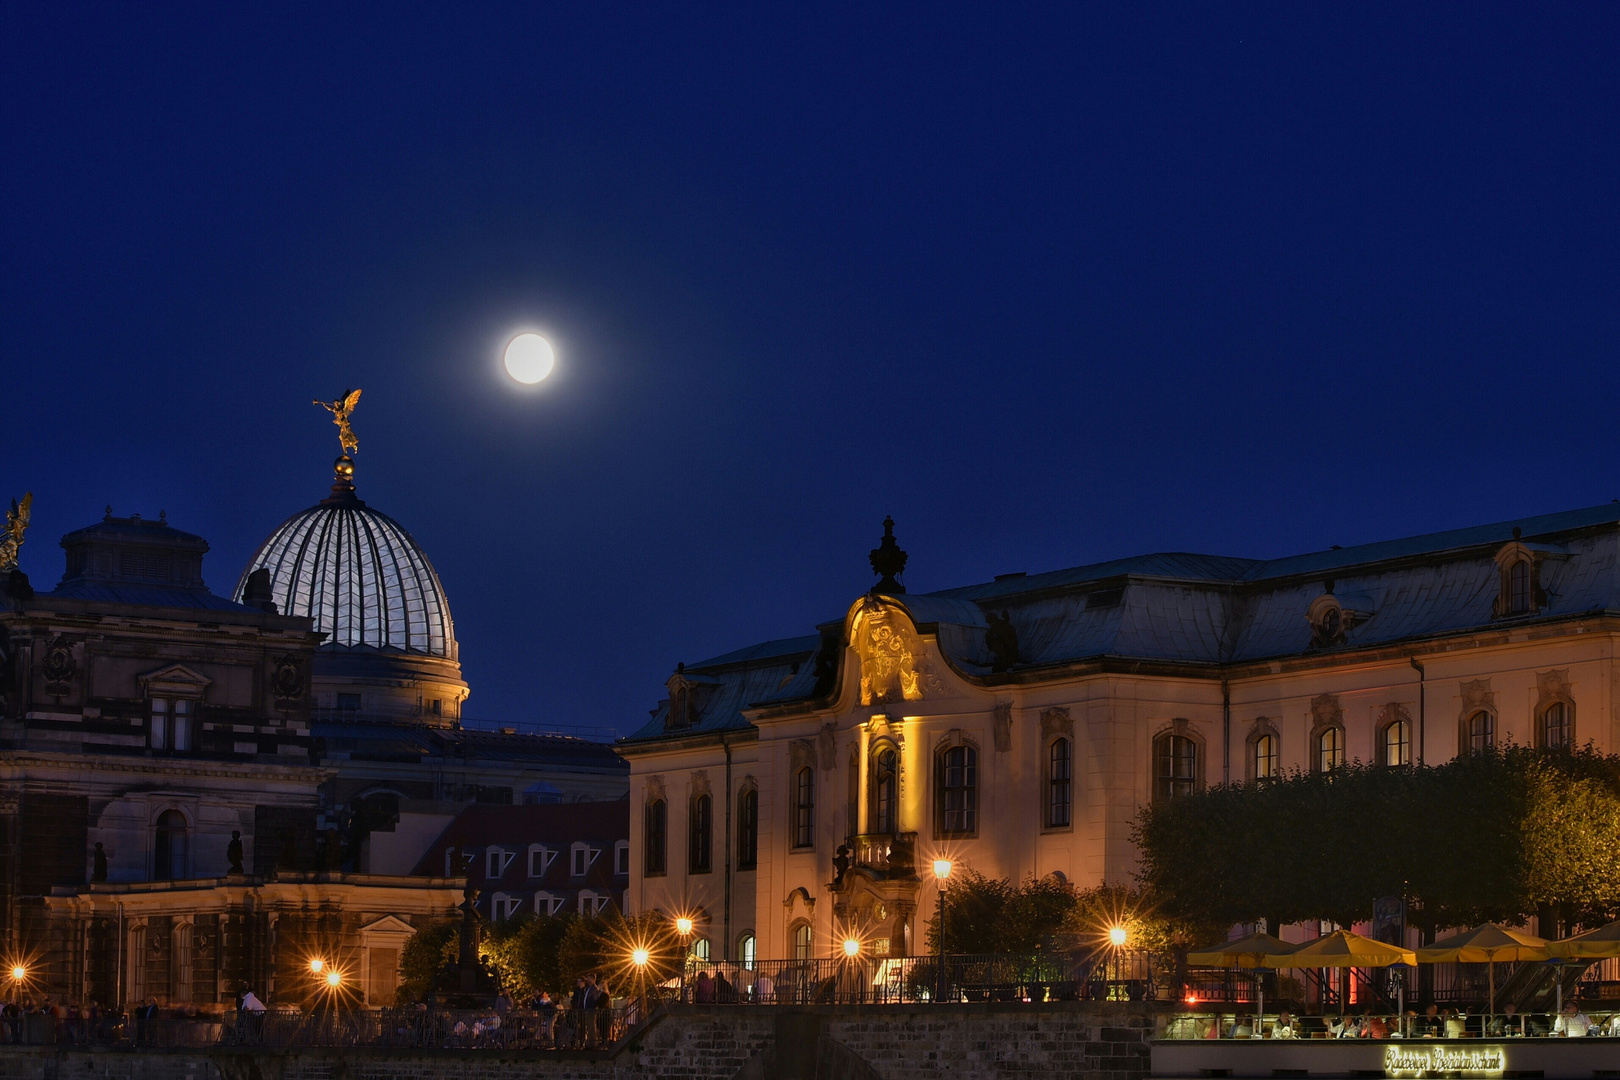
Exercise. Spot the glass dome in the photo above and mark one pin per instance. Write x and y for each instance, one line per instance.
(358, 574)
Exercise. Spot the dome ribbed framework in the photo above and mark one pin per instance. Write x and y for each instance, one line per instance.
(358, 574)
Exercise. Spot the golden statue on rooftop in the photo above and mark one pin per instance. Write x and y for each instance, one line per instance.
(341, 410)
(16, 526)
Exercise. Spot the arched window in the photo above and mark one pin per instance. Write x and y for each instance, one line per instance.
(700, 950)
(1059, 783)
(804, 808)
(1556, 729)
(1329, 748)
(1518, 597)
(169, 848)
(803, 943)
(656, 840)
(748, 829)
(957, 769)
(1175, 766)
(747, 949)
(699, 846)
(1481, 732)
(885, 818)
(1395, 748)
(1264, 760)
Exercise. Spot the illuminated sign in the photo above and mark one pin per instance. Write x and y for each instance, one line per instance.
(1416, 1061)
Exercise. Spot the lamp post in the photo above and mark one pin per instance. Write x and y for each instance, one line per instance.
(1117, 937)
(942, 872)
(683, 927)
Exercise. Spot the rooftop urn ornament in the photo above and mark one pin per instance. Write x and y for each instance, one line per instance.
(888, 562)
(342, 409)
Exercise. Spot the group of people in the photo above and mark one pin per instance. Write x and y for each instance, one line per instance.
(1433, 1023)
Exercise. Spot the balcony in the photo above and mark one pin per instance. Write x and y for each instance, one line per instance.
(892, 855)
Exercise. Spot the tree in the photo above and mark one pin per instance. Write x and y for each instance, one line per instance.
(425, 954)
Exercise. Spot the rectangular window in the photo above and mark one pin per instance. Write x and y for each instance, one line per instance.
(579, 862)
(748, 830)
(1058, 785)
(621, 857)
(540, 860)
(958, 794)
(170, 727)
(700, 841)
(804, 808)
(382, 976)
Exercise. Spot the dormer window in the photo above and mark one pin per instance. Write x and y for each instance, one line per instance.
(1519, 565)
(1327, 618)
(1518, 587)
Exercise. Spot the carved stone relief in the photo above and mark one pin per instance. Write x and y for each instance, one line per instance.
(1055, 722)
(700, 783)
(287, 681)
(891, 655)
(1326, 711)
(59, 667)
(1552, 686)
(827, 744)
(1002, 727)
(655, 788)
(802, 754)
(1477, 694)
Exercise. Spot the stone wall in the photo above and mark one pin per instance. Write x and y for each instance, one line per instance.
(964, 1042)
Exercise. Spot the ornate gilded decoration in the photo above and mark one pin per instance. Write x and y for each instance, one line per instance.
(890, 652)
(341, 410)
(16, 526)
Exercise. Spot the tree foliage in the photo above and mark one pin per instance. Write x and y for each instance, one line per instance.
(1046, 914)
(425, 954)
(1495, 836)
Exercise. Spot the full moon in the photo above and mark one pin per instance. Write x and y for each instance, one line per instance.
(529, 358)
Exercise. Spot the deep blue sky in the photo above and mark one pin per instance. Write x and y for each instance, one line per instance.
(1049, 285)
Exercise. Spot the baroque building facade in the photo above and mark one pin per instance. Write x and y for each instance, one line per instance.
(794, 792)
(199, 795)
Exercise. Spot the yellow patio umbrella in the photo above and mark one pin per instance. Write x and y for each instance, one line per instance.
(1486, 944)
(1341, 949)
(1249, 951)
(1246, 952)
(1598, 944)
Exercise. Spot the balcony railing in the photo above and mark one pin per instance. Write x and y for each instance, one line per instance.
(894, 854)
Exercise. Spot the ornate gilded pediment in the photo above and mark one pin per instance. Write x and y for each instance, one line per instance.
(890, 652)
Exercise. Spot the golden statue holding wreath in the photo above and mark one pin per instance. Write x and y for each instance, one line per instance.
(341, 410)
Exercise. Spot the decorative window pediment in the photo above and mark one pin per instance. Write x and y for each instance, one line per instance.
(174, 681)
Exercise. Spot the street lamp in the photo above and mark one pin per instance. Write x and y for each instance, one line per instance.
(317, 966)
(19, 973)
(639, 957)
(1117, 937)
(942, 873)
(334, 978)
(683, 926)
(852, 948)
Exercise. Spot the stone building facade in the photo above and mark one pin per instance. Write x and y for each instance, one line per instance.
(796, 791)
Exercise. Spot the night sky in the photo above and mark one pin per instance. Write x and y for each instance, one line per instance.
(1049, 285)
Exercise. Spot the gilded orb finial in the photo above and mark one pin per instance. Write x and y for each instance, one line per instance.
(341, 410)
(16, 526)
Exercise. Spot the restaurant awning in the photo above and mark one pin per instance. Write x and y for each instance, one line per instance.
(1596, 944)
(1246, 952)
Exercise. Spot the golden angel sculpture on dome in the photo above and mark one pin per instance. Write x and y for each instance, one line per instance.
(341, 410)
(16, 525)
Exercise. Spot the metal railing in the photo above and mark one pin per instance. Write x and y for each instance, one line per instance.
(415, 1028)
(1110, 975)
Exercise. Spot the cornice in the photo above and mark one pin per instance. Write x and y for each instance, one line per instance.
(170, 766)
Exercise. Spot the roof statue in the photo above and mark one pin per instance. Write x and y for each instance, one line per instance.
(16, 526)
(888, 562)
(341, 410)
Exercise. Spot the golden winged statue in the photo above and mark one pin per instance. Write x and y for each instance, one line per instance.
(341, 410)
(16, 526)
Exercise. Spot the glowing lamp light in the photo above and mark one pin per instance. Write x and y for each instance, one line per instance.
(1192, 999)
(852, 948)
(683, 926)
(942, 868)
(1116, 936)
(19, 973)
(639, 957)
(317, 966)
(334, 977)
